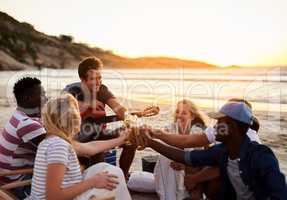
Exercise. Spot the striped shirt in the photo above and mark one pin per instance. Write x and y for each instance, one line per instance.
(54, 150)
(16, 149)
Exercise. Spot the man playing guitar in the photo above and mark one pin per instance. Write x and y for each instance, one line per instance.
(92, 97)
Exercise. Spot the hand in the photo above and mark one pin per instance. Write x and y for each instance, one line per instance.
(135, 137)
(156, 133)
(150, 111)
(124, 135)
(177, 166)
(144, 137)
(105, 180)
(139, 136)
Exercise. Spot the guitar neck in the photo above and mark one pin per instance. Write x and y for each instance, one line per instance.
(109, 119)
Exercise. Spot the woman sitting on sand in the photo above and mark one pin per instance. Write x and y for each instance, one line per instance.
(170, 175)
(57, 173)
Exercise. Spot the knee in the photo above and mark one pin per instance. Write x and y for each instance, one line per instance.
(116, 171)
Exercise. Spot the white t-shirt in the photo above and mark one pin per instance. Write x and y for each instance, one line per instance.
(211, 133)
(54, 150)
(243, 192)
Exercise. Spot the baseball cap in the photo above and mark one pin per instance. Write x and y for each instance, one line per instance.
(235, 110)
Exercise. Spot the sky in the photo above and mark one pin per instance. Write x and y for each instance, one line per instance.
(221, 32)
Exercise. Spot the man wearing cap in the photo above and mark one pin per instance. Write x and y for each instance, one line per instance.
(248, 170)
(207, 136)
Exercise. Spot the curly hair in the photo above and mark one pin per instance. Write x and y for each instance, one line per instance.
(25, 87)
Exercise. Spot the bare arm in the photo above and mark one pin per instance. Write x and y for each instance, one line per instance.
(55, 175)
(182, 141)
(166, 150)
(117, 108)
(94, 147)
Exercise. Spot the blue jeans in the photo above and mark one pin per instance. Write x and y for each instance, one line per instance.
(23, 192)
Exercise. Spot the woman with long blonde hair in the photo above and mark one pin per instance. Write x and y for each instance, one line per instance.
(188, 118)
(169, 175)
(57, 173)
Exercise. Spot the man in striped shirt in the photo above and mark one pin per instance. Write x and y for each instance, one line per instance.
(24, 131)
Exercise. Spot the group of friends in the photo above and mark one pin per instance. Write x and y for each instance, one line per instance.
(65, 140)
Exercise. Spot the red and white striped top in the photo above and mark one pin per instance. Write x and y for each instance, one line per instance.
(16, 149)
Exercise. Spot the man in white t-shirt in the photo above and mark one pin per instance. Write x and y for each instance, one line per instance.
(249, 171)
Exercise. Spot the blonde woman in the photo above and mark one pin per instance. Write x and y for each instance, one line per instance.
(169, 175)
(57, 173)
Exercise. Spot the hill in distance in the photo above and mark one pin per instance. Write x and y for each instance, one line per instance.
(22, 47)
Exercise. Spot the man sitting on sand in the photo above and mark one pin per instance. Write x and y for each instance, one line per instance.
(92, 97)
(248, 169)
(24, 131)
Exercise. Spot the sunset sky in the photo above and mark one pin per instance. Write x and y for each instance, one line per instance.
(222, 32)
